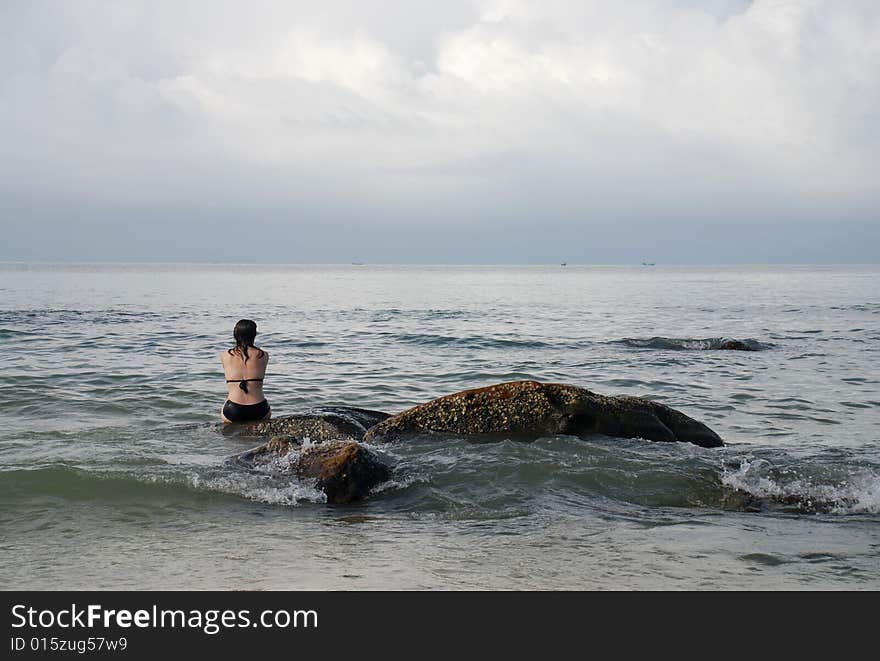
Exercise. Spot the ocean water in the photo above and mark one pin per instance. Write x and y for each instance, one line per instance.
(111, 455)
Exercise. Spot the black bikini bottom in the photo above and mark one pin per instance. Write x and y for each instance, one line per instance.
(245, 412)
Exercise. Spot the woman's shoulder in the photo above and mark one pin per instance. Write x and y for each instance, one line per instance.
(230, 354)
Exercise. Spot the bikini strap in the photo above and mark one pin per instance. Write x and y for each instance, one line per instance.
(242, 383)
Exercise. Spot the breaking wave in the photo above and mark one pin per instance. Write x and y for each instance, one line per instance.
(806, 488)
(498, 480)
(271, 485)
(498, 342)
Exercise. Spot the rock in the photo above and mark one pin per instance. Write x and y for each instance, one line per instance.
(693, 344)
(346, 472)
(736, 345)
(278, 446)
(321, 425)
(318, 425)
(789, 503)
(529, 410)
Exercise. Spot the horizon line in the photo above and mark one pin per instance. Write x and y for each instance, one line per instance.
(99, 262)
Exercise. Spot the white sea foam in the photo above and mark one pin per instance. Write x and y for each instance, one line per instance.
(291, 492)
(857, 491)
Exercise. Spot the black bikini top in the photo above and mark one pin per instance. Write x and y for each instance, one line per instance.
(242, 383)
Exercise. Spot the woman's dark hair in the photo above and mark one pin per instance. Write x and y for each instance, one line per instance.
(244, 333)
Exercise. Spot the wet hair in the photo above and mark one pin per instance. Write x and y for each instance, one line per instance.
(244, 333)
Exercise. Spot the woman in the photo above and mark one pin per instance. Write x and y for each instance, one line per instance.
(245, 367)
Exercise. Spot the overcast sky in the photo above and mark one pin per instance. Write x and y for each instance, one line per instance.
(497, 131)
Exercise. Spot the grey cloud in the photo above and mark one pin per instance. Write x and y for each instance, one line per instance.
(399, 120)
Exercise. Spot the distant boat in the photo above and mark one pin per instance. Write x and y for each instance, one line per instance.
(563, 264)
(647, 263)
(357, 263)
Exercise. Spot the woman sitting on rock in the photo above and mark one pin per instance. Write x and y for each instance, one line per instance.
(245, 367)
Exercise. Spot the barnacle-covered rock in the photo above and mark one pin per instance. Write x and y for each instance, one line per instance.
(529, 409)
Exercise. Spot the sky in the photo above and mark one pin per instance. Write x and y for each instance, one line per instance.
(484, 131)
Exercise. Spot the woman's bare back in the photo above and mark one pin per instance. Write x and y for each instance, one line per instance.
(252, 372)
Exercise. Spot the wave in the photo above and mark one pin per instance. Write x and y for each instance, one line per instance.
(10, 333)
(873, 308)
(64, 316)
(450, 477)
(430, 314)
(271, 485)
(694, 344)
(615, 474)
(428, 339)
(808, 488)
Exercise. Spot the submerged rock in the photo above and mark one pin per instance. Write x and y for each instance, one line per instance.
(745, 501)
(529, 410)
(694, 344)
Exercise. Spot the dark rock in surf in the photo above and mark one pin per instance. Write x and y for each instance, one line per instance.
(529, 410)
(344, 470)
(743, 501)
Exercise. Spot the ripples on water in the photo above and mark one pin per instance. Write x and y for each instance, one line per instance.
(111, 457)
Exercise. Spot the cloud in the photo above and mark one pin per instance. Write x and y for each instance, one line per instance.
(496, 112)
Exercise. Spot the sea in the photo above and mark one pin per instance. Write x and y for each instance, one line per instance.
(112, 471)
